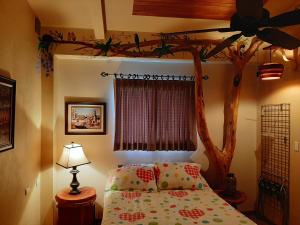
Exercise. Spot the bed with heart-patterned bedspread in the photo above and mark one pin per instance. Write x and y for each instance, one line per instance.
(169, 207)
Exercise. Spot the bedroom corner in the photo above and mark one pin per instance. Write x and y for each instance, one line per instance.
(149, 112)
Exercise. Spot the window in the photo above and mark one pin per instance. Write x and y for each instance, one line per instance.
(155, 115)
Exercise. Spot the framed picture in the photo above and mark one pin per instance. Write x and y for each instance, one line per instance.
(7, 113)
(85, 118)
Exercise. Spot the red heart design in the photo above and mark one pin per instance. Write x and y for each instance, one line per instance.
(193, 171)
(132, 217)
(145, 175)
(194, 213)
(178, 194)
(131, 195)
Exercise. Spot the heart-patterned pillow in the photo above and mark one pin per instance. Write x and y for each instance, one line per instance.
(145, 175)
(132, 217)
(193, 171)
(179, 176)
(194, 213)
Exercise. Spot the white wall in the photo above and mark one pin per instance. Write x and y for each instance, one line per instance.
(78, 78)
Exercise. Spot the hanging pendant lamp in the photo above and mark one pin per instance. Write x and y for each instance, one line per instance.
(270, 71)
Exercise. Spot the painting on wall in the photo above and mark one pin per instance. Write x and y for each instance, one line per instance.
(85, 118)
(7, 113)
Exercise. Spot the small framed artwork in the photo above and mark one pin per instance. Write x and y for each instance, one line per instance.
(7, 113)
(85, 118)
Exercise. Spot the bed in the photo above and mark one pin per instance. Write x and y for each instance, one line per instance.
(169, 207)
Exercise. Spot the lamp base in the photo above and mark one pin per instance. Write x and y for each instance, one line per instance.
(74, 184)
(74, 192)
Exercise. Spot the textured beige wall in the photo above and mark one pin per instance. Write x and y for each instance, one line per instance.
(77, 78)
(287, 90)
(46, 175)
(48, 207)
(20, 167)
(74, 14)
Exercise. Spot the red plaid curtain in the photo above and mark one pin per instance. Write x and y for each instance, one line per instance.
(155, 115)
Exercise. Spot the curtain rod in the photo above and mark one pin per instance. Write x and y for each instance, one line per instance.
(134, 76)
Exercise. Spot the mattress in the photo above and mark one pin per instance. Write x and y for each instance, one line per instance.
(169, 207)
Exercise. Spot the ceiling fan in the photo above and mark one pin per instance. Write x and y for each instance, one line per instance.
(251, 19)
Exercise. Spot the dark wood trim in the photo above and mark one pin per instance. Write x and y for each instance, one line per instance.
(12, 118)
(85, 103)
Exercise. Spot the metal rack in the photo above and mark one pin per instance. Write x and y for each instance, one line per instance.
(273, 199)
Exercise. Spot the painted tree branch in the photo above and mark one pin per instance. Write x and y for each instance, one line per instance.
(178, 45)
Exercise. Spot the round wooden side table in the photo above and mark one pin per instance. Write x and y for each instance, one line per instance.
(238, 198)
(76, 209)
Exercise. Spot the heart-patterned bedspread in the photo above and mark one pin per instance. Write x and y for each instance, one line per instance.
(169, 207)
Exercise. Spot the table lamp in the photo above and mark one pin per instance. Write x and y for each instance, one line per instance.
(71, 157)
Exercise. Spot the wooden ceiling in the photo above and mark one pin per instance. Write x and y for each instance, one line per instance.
(197, 9)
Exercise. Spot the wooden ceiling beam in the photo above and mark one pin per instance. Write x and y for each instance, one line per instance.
(200, 9)
(196, 9)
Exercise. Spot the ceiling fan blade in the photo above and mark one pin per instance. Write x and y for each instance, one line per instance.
(278, 38)
(286, 19)
(226, 43)
(253, 8)
(200, 31)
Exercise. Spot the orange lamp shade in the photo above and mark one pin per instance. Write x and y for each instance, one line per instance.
(270, 71)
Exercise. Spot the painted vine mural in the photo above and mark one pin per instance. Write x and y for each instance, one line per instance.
(238, 54)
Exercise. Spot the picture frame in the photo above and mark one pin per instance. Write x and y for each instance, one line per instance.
(7, 113)
(85, 118)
